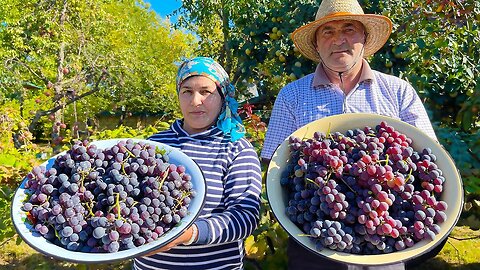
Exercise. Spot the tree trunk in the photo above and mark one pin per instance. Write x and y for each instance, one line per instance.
(58, 88)
(225, 16)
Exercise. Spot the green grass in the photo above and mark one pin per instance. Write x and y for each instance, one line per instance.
(23, 257)
(461, 252)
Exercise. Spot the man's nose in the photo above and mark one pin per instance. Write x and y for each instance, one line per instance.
(339, 38)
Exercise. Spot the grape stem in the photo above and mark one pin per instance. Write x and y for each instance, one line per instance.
(161, 151)
(308, 235)
(83, 175)
(409, 175)
(123, 166)
(328, 176)
(127, 151)
(329, 134)
(310, 180)
(117, 206)
(163, 179)
(386, 160)
(89, 206)
(348, 186)
(179, 201)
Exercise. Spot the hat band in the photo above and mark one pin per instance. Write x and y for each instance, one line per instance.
(335, 14)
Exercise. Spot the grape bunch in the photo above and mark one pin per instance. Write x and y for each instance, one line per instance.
(363, 192)
(107, 200)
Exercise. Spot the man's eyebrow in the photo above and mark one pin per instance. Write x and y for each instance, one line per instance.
(327, 27)
(346, 24)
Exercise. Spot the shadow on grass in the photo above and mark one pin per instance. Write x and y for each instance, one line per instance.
(440, 264)
(40, 262)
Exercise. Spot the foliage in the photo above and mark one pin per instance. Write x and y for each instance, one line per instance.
(265, 248)
(129, 132)
(6, 227)
(69, 60)
(14, 162)
(260, 52)
(431, 46)
(17, 151)
(266, 52)
(255, 128)
(436, 38)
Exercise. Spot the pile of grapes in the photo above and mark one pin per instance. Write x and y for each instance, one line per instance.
(106, 200)
(364, 192)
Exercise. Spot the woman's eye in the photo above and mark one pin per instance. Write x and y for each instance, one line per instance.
(206, 92)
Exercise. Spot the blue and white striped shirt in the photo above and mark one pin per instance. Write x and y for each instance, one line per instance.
(231, 211)
(314, 97)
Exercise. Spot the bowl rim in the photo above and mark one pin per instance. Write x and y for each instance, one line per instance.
(27, 235)
(343, 257)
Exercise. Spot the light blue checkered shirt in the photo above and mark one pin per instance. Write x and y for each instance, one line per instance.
(313, 97)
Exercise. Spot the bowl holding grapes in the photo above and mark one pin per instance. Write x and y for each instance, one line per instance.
(108, 200)
(364, 189)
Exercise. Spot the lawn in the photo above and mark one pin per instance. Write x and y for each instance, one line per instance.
(461, 252)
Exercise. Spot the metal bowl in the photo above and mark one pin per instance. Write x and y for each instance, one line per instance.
(42, 245)
(452, 190)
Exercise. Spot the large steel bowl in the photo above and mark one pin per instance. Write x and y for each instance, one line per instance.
(42, 245)
(452, 192)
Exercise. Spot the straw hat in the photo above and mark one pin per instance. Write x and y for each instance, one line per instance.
(378, 27)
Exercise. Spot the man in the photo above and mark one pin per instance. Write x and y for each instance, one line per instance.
(339, 39)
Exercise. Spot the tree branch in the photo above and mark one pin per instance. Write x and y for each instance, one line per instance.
(40, 76)
(41, 113)
(226, 38)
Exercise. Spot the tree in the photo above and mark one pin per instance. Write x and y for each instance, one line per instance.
(91, 55)
(254, 41)
(436, 43)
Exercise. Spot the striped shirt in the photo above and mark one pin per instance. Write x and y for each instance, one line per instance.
(232, 204)
(314, 97)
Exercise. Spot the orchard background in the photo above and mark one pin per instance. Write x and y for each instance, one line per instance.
(98, 69)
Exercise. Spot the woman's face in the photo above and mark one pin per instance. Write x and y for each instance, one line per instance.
(340, 43)
(200, 103)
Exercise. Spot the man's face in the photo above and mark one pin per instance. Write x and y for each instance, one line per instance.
(340, 43)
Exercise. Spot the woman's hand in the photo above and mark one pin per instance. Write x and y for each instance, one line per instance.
(183, 238)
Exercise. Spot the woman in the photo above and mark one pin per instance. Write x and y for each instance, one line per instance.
(211, 133)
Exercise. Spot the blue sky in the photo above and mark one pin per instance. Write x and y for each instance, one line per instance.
(164, 7)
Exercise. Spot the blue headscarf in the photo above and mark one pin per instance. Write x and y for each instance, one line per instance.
(228, 121)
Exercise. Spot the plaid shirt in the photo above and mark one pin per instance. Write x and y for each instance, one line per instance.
(314, 96)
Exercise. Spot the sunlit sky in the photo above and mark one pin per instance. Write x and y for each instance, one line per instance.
(164, 7)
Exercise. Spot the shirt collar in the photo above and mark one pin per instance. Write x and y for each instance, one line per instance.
(320, 78)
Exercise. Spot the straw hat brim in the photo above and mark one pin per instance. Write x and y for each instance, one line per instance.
(378, 28)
